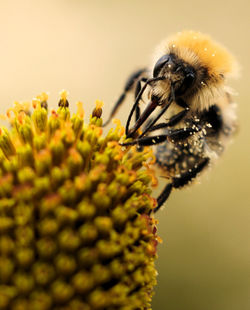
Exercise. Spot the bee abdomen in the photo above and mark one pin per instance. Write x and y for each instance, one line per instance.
(188, 176)
(176, 159)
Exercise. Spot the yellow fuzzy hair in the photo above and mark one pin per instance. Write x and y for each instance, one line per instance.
(211, 54)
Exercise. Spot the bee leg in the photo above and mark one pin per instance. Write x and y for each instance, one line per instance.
(150, 108)
(137, 91)
(137, 109)
(174, 120)
(178, 182)
(137, 113)
(156, 127)
(128, 86)
(190, 175)
(137, 116)
(146, 141)
(182, 133)
(182, 103)
(162, 198)
(172, 135)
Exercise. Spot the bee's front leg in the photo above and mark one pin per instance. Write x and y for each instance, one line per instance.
(132, 80)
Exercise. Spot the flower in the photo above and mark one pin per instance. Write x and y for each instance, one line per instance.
(76, 230)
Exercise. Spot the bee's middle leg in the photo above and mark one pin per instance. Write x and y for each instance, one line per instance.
(173, 135)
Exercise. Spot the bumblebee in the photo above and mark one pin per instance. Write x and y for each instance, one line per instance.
(189, 116)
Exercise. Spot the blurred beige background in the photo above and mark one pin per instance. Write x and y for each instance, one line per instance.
(89, 47)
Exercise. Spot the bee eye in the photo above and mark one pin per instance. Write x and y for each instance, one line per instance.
(160, 64)
(186, 84)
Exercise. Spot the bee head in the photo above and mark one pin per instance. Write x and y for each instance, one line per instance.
(181, 75)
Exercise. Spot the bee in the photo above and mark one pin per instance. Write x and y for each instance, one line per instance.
(190, 115)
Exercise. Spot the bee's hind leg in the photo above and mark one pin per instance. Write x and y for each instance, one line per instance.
(162, 198)
(178, 182)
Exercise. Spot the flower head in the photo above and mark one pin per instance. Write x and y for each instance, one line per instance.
(75, 224)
